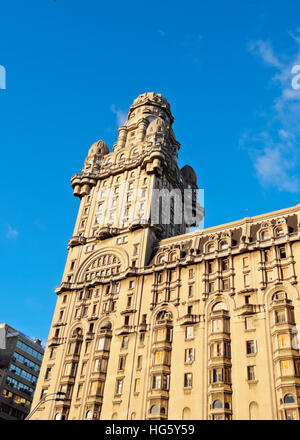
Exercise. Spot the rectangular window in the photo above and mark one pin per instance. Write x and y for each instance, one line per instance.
(210, 267)
(119, 386)
(225, 264)
(96, 388)
(79, 391)
(189, 332)
(216, 325)
(282, 252)
(211, 287)
(122, 360)
(283, 340)
(267, 255)
(52, 353)
(245, 262)
(137, 385)
(217, 375)
(251, 347)
(156, 382)
(287, 368)
(188, 380)
(251, 373)
(103, 344)
(139, 362)
(159, 357)
(189, 355)
(280, 316)
(48, 373)
(246, 280)
(191, 273)
(290, 414)
(226, 284)
(125, 342)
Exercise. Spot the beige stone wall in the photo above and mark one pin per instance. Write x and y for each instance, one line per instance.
(210, 292)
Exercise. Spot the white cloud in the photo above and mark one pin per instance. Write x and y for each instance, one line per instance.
(264, 50)
(275, 149)
(120, 114)
(11, 233)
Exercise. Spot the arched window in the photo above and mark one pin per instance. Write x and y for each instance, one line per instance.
(154, 409)
(89, 415)
(135, 152)
(106, 326)
(219, 306)
(279, 296)
(164, 315)
(161, 259)
(173, 256)
(224, 245)
(122, 156)
(253, 411)
(57, 416)
(227, 406)
(101, 267)
(77, 332)
(210, 247)
(186, 414)
(114, 416)
(289, 399)
(217, 404)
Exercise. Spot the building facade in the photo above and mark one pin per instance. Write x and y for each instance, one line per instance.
(20, 362)
(155, 322)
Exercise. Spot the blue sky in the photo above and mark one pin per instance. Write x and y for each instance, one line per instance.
(74, 67)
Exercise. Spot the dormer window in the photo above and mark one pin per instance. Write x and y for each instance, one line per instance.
(210, 248)
(279, 232)
(265, 235)
(224, 245)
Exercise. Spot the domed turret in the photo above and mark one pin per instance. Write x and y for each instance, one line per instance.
(189, 175)
(147, 109)
(96, 153)
(98, 147)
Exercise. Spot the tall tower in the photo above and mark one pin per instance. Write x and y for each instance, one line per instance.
(121, 219)
(155, 322)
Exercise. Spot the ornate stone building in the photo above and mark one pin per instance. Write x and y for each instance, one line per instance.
(155, 322)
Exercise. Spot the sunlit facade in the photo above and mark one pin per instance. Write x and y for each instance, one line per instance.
(154, 322)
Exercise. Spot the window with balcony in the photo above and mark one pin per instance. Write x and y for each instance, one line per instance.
(280, 316)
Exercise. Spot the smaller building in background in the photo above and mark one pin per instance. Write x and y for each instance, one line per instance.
(20, 362)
